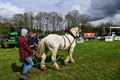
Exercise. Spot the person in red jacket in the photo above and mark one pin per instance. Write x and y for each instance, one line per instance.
(25, 54)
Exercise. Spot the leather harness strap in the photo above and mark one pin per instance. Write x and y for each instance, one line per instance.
(64, 42)
(69, 42)
(69, 32)
(67, 38)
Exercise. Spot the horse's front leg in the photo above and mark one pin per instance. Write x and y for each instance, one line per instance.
(54, 54)
(42, 64)
(69, 58)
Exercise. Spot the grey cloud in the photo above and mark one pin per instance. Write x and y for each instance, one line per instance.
(99, 9)
(96, 9)
(104, 8)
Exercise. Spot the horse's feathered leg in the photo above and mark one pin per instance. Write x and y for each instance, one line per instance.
(66, 59)
(42, 65)
(69, 58)
(43, 58)
(41, 48)
(54, 53)
(41, 53)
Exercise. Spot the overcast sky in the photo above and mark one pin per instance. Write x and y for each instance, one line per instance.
(98, 10)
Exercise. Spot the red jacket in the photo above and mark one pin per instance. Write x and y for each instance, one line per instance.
(24, 49)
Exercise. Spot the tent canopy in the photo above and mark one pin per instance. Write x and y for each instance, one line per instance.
(113, 28)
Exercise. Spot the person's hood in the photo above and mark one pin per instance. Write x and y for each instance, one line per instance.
(24, 32)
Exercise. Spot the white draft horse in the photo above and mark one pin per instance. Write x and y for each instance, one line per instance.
(53, 42)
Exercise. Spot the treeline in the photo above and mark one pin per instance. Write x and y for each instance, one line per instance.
(52, 22)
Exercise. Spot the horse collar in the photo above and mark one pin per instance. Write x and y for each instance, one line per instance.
(72, 34)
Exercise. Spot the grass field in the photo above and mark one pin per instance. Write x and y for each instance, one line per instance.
(94, 61)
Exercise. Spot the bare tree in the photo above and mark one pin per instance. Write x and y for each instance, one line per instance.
(18, 20)
(28, 19)
(76, 19)
(56, 21)
(0, 19)
(25, 15)
(38, 20)
(49, 21)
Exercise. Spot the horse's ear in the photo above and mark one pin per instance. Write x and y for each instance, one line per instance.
(66, 30)
(77, 27)
(79, 30)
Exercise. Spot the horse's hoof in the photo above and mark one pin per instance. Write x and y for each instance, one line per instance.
(43, 68)
(72, 61)
(65, 63)
(58, 69)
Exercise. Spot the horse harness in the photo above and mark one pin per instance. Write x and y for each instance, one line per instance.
(69, 40)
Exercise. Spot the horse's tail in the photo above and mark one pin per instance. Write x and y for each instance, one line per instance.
(41, 48)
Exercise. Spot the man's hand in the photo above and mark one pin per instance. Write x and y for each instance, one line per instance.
(31, 46)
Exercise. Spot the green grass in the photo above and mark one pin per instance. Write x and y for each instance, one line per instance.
(94, 61)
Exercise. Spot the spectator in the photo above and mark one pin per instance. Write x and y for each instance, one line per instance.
(25, 54)
(32, 41)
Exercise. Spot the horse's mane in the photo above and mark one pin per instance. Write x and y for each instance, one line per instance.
(67, 30)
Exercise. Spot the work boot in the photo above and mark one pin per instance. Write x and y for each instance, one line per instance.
(23, 77)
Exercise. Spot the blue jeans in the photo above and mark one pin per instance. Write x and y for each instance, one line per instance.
(28, 63)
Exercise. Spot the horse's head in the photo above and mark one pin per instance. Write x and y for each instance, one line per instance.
(76, 32)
